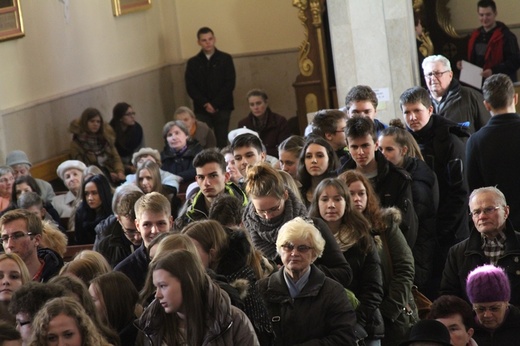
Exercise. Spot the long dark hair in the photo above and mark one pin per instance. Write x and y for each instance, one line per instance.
(105, 194)
(27, 179)
(187, 268)
(118, 112)
(355, 223)
(303, 174)
(119, 297)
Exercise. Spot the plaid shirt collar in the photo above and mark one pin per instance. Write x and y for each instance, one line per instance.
(494, 248)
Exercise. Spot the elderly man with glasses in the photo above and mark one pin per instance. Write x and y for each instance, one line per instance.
(451, 100)
(492, 241)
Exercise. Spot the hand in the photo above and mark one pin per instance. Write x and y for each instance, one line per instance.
(459, 64)
(209, 108)
(486, 73)
(113, 177)
(121, 176)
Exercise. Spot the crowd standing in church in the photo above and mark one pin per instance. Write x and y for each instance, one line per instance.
(257, 237)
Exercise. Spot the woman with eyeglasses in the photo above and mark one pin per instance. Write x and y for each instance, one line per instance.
(331, 202)
(13, 274)
(129, 133)
(271, 205)
(398, 310)
(303, 303)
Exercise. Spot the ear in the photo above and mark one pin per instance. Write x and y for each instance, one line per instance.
(405, 150)
(227, 177)
(430, 110)
(37, 240)
(515, 98)
(262, 156)
(286, 195)
(211, 255)
(488, 106)
(170, 219)
(328, 136)
(506, 211)
(470, 332)
(376, 143)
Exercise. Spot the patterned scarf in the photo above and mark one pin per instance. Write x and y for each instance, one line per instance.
(268, 229)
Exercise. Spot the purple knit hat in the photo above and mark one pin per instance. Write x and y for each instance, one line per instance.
(488, 284)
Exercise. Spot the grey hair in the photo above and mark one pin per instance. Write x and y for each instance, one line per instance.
(167, 127)
(182, 110)
(6, 169)
(434, 58)
(499, 196)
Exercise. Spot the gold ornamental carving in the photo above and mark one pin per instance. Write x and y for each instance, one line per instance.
(304, 63)
(444, 18)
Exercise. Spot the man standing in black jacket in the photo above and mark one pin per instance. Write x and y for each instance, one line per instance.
(210, 81)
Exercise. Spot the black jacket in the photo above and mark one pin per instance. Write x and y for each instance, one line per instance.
(425, 192)
(195, 208)
(393, 185)
(367, 285)
(53, 263)
(135, 266)
(463, 105)
(114, 245)
(321, 313)
(444, 151)
(181, 164)
(505, 335)
(211, 81)
(468, 254)
(493, 158)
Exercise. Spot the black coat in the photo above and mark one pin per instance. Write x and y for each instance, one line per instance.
(468, 254)
(367, 285)
(443, 150)
(393, 186)
(114, 245)
(321, 313)
(493, 160)
(181, 164)
(505, 335)
(211, 81)
(53, 263)
(135, 266)
(425, 192)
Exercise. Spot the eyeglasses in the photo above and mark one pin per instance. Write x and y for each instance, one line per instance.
(288, 247)
(15, 236)
(22, 323)
(269, 211)
(7, 180)
(485, 211)
(482, 309)
(130, 114)
(341, 130)
(436, 74)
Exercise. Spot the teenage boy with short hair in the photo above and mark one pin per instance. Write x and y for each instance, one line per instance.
(152, 217)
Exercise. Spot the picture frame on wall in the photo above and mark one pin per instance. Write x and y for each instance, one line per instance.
(121, 7)
(11, 22)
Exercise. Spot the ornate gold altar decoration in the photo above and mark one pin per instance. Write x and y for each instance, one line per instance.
(426, 48)
(305, 64)
(444, 18)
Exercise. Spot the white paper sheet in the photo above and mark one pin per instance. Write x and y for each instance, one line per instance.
(471, 74)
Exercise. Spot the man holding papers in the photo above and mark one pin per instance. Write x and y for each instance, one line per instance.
(493, 46)
(451, 100)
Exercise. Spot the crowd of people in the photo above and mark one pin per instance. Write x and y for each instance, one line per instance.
(260, 237)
